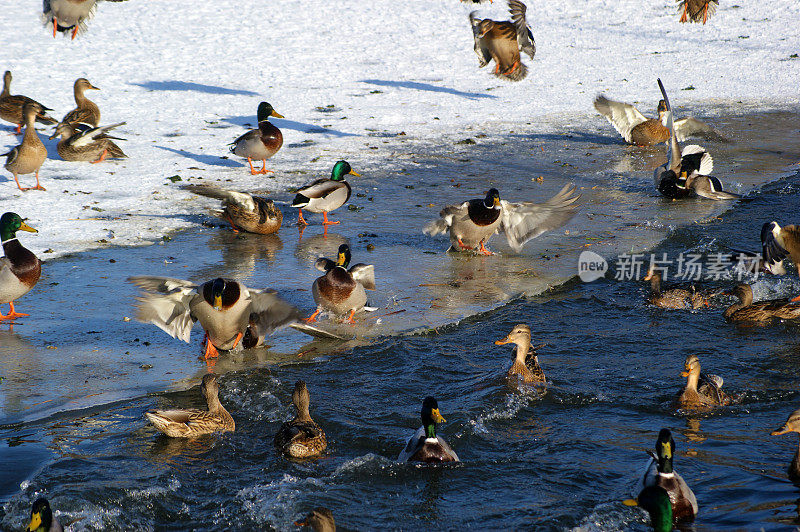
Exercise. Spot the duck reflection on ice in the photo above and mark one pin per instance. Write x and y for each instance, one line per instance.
(242, 252)
(308, 250)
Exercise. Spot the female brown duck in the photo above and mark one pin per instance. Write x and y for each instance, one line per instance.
(526, 363)
(86, 111)
(301, 437)
(675, 298)
(29, 156)
(701, 389)
(194, 423)
(11, 106)
(761, 313)
(792, 425)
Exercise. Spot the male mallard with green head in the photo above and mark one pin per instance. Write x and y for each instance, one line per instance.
(86, 111)
(192, 423)
(225, 309)
(659, 472)
(253, 214)
(81, 142)
(503, 42)
(701, 389)
(28, 157)
(261, 143)
(325, 195)
(472, 223)
(20, 269)
(655, 500)
(425, 445)
(11, 106)
(762, 312)
(526, 363)
(320, 520)
(301, 437)
(792, 425)
(340, 290)
(42, 518)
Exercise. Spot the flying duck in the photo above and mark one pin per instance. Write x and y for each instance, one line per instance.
(503, 42)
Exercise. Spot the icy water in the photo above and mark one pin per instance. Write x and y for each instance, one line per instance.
(77, 376)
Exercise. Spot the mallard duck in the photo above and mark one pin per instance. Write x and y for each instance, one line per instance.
(637, 129)
(659, 472)
(11, 106)
(87, 111)
(687, 170)
(224, 308)
(253, 214)
(503, 42)
(675, 298)
(472, 223)
(340, 290)
(526, 363)
(261, 143)
(779, 242)
(325, 195)
(761, 313)
(82, 142)
(42, 519)
(320, 520)
(301, 437)
(67, 15)
(792, 425)
(193, 423)
(655, 500)
(697, 10)
(701, 388)
(425, 446)
(20, 269)
(29, 156)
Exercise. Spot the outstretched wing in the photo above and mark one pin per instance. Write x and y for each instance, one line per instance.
(692, 127)
(269, 312)
(695, 159)
(445, 220)
(524, 35)
(364, 274)
(166, 303)
(522, 222)
(231, 197)
(482, 51)
(623, 116)
(772, 251)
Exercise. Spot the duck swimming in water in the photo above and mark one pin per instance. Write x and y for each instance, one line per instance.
(425, 446)
(762, 312)
(526, 364)
(701, 389)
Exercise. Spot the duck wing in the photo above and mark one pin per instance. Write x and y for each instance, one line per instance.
(269, 312)
(524, 35)
(648, 477)
(696, 159)
(445, 220)
(166, 303)
(414, 443)
(691, 127)
(321, 188)
(364, 274)
(481, 49)
(522, 222)
(229, 197)
(623, 116)
(772, 251)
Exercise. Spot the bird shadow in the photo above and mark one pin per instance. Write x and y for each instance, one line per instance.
(190, 86)
(282, 123)
(213, 160)
(426, 87)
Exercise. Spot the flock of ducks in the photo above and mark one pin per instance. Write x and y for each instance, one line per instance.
(234, 316)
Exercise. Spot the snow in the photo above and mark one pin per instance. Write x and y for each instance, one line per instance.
(187, 76)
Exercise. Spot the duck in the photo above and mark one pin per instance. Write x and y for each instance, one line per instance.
(674, 298)
(244, 211)
(503, 42)
(425, 446)
(82, 142)
(701, 389)
(11, 106)
(526, 363)
(792, 425)
(261, 143)
(340, 290)
(761, 313)
(20, 269)
(778, 243)
(66, 15)
(639, 130)
(301, 437)
(319, 520)
(87, 111)
(225, 309)
(655, 501)
(697, 10)
(28, 157)
(192, 423)
(659, 471)
(42, 518)
(325, 195)
(472, 223)
(686, 171)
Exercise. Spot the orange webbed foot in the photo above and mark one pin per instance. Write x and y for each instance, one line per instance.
(210, 351)
(463, 246)
(313, 317)
(12, 314)
(484, 251)
(350, 318)
(325, 220)
(102, 157)
(300, 220)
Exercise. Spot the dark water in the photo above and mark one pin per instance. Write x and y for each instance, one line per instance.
(557, 460)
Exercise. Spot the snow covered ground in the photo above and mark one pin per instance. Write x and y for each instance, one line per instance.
(347, 75)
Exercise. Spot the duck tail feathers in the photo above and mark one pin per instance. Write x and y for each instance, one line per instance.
(518, 74)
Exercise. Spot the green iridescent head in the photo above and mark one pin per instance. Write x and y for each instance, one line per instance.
(12, 222)
(341, 169)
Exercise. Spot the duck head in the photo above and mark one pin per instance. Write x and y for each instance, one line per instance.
(301, 400)
(41, 516)
(519, 335)
(492, 199)
(343, 256)
(265, 110)
(655, 500)
(12, 222)
(340, 169)
(665, 448)
(792, 424)
(430, 416)
(691, 366)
